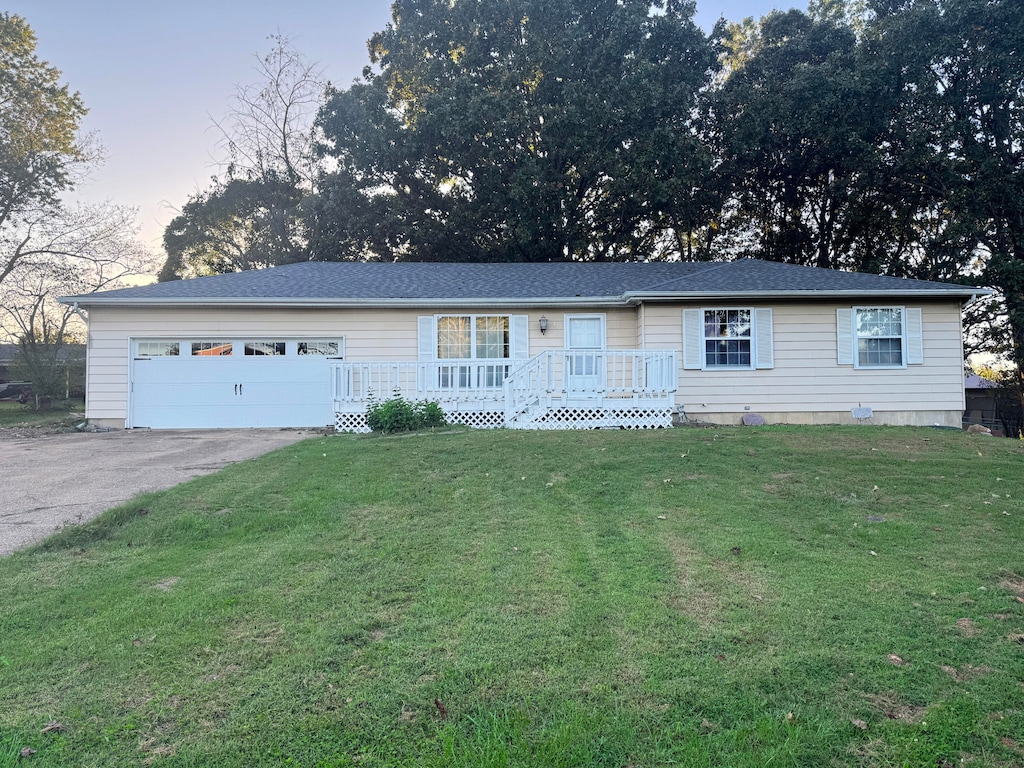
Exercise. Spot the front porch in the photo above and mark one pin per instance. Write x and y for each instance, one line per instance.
(557, 389)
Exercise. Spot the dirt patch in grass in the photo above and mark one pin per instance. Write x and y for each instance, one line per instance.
(155, 750)
(221, 673)
(694, 599)
(890, 705)
(259, 635)
(166, 584)
(702, 583)
(871, 753)
(1011, 744)
(966, 673)
(1011, 582)
(968, 628)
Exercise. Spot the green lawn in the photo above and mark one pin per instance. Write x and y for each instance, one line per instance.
(730, 597)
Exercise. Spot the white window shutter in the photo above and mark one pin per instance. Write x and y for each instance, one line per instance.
(519, 325)
(764, 338)
(844, 336)
(692, 352)
(427, 338)
(915, 336)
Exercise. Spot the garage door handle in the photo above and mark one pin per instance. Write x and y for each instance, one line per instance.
(236, 389)
(239, 389)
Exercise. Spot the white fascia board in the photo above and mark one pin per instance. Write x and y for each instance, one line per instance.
(929, 293)
(626, 299)
(241, 301)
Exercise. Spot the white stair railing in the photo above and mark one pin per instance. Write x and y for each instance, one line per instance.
(572, 375)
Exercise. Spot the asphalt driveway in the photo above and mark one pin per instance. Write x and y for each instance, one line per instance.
(47, 482)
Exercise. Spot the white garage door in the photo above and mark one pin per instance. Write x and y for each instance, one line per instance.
(232, 382)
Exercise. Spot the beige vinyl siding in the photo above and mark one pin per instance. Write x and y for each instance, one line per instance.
(370, 334)
(620, 326)
(806, 376)
(805, 379)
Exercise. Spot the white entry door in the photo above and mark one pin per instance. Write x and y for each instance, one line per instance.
(584, 363)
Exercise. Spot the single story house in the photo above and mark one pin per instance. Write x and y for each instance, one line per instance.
(561, 345)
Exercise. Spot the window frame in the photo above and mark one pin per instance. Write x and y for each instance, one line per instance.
(856, 337)
(750, 339)
(338, 340)
(762, 332)
(139, 346)
(229, 345)
(250, 345)
(472, 336)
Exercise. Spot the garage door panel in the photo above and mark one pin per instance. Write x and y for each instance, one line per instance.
(236, 391)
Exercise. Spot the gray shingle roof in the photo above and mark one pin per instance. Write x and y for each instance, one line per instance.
(362, 283)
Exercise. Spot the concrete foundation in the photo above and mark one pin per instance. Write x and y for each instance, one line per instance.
(892, 418)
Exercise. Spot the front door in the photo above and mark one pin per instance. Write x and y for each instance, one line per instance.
(584, 361)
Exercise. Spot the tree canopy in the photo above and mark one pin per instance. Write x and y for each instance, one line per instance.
(878, 135)
(518, 131)
(49, 247)
(40, 149)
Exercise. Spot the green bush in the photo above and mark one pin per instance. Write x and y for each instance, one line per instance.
(401, 415)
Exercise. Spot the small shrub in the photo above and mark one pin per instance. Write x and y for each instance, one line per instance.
(401, 415)
(431, 414)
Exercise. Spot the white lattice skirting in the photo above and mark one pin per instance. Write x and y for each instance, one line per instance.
(356, 422)
(597, 418)
(556, 418)
(350, 422)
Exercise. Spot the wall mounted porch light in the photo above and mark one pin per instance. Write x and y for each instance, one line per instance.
(543, 325)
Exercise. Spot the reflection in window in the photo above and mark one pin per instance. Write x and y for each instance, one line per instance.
(727, 338)
(324, 348)
(158, 349)
(211, 348)
(480, 337)
(879, 337)
(454, 338)
(260, 348)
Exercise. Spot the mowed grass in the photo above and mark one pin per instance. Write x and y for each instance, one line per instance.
(728, 597)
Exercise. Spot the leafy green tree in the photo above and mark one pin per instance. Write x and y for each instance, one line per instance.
(798, 124)
(980, 77)
(235, 225)
(48, 248)
(40, 150)
(961, 128)
(528, 130)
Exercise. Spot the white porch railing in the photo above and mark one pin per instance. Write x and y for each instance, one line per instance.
(566, 378)
(515, 393)
(439, 380)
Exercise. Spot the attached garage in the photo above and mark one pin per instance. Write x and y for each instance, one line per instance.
(232, 382)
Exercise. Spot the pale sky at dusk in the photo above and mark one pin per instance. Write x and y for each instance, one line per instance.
(152, 75)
